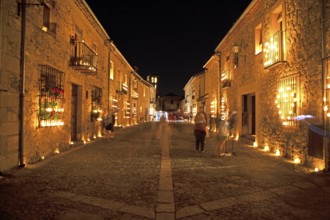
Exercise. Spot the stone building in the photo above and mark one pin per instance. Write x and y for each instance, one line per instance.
(273, 68)
(212, 90)
(59, 73)
(192, 94)
(170, 102)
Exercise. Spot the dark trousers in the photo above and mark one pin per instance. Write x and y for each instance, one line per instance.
(200, 139)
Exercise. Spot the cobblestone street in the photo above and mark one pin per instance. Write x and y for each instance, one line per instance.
(152, 171)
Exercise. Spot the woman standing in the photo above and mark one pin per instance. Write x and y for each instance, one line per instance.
(200, 129)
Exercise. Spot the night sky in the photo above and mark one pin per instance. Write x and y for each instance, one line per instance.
(171, 39)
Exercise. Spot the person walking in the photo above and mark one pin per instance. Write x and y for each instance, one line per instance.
(223, 135)
(200, 129)
(232, 121)
(108, 123)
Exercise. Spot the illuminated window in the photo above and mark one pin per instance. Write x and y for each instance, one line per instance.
(223, 108)
(127, 109)
(51, 94)
(258, 39)
(96, 103)
(125, 79)
(272, 50)
(111, 70)
(273, 45)
(225, 79)
(287, 100)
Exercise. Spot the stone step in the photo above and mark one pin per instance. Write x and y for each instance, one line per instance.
(247, 139)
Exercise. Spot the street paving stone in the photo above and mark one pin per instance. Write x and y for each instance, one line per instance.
(141, 175)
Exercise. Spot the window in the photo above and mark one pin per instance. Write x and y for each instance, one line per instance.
(111, 70)
(287, 100)
(273, 45)
(127, 109)
(125, 79)
(96, 103)
(258, 39)
(225, 79)
(46, 18)
(51, 94)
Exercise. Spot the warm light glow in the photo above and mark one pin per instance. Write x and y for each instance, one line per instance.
(287, 103)
(255, 144)
(316, 169)
(272, 50)
(57, 151)
(297, 160)
(266, 148)
(325, 108)
(50, 123)
(71, 142)
(42, 157)
(277, 152)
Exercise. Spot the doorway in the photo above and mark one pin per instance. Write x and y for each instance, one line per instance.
(74, 113)
(249, 114)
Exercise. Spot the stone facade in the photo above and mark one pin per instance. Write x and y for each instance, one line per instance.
(55, 93)
(191, 91)
(274, 66)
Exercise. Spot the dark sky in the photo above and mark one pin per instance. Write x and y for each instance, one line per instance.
(172, 39)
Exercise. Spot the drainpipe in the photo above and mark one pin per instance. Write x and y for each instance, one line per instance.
(324, 78)
(219, 86)
(22, 87)
(324, 87)
(109, 68)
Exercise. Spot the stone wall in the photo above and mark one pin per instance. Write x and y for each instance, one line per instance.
(302, 30)
(9, 83)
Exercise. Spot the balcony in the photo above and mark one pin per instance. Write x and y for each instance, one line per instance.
(273, 50)
(83, 58)
(121, 88)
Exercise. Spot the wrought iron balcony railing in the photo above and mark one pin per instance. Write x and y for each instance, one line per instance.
(83, 58)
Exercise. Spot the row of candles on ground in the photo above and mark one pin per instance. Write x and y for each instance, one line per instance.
(296, 159)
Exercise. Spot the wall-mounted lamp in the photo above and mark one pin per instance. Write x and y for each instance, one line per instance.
(235, 50)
